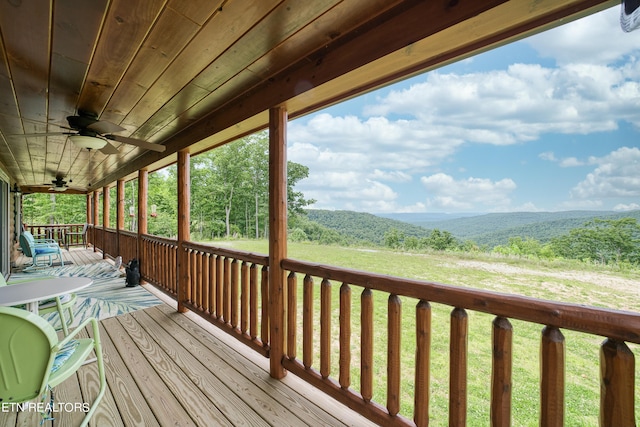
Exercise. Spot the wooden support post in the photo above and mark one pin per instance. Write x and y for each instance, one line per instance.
(277, 236)
(105, 218)
(184, 218)
(119, 213)
(88, 208)
(143, 193)
(96, 198)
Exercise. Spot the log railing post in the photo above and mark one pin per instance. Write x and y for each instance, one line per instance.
(277, 237)
(96, 203)
(617, 384)
(105, 218)
(458, 365)
(345, 336)
(552, 367)
(307, 321)
(119, 213)
(502, 337)
(394, 333)
(423, 363)
(366, 344)
(143, 194)
(184, 218)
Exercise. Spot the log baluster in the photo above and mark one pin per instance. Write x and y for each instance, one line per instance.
(244, 298)
(265, 306)
(502, 337)
(213, 278)
(206, 284)
(423, 361)
(366, 345)
(458, 354)
(226, 295)
(394, 331)
(307, 321)
(219, 286)
(617, 384)
(253, 301)
(345, 336)
(199, 280)
(325, 328)
(292, 314)
(552, 367)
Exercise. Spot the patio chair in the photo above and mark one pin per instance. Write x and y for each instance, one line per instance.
(38, 249)
(33, 360)
(58, 304)
(82, 234)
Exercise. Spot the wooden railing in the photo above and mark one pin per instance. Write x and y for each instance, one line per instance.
(110, 242)
(230, 289)
(57, 232)
(336, 336)
(127, 245)
(158, 263)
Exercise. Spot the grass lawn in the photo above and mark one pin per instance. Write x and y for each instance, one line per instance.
(557, 281)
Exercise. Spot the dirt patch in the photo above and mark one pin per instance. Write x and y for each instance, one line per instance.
(599, 279)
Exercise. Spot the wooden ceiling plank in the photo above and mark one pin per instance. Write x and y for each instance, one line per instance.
(169, 37)
(218, 33)
(75, 31)
(280, 24)
(28, 54)
(124, 30)
(284, 21)
(197, 11)
(338, 20)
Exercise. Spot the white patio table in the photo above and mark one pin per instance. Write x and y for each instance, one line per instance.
(30, 293)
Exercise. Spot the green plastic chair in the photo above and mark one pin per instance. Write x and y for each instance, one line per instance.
(32, 359)
(38, 249)
(58, 304)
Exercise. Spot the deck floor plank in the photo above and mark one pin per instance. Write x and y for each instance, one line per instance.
(232, 389)
(320, 410)
(201, 409)
(157, 394)
(128, 398)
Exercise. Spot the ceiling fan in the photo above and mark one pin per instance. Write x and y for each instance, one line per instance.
(60, 185)
(86, 131)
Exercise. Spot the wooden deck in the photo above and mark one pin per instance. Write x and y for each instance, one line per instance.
(167, 368)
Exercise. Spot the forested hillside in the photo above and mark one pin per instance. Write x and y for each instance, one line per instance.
(496, 228)
(362, 227)
(487, 230)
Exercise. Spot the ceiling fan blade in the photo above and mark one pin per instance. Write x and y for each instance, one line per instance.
(105, 127)
(139, 143)
(109, 148)
(43, 134)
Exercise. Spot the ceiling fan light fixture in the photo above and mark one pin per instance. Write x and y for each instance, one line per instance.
(59, 188)
(89, 142)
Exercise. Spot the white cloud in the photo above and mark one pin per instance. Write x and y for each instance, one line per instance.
(566, 44)
(570, 162)
(616, 175)
(548, 155)
(629, 207)
(472, 193)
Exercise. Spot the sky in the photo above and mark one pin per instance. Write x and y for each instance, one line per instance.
(549, 123)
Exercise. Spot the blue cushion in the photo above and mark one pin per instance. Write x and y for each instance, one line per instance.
(40, 251)
(64, 354)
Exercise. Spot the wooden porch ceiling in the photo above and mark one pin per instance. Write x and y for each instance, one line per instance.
(198, 73)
